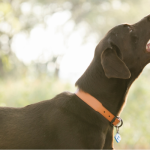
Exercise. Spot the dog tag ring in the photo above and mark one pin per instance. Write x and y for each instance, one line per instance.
(117, 136)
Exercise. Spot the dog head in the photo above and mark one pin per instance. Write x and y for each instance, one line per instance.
(124, 50)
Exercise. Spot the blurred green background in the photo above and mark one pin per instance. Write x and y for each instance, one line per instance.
(42, 43)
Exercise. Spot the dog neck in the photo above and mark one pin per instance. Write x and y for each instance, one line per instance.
(110, 92)
(97, 106)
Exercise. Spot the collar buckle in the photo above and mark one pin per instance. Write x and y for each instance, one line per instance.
(116, 119)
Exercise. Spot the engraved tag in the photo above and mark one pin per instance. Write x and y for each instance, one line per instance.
(117, 138)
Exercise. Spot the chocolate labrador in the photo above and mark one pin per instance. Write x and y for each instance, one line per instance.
(66, 121)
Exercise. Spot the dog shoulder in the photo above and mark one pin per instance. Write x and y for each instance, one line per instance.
(58, 101)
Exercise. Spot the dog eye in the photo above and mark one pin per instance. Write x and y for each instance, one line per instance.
(130, 29)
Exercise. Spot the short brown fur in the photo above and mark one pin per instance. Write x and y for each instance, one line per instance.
(66, 122)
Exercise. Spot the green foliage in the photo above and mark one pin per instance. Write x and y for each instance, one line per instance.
(97, 16)
(27, 90)
(135, 131)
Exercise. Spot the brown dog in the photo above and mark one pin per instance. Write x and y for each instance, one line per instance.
(68, 122)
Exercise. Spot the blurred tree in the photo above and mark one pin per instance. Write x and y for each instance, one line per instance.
(9, 26)
(96, 16)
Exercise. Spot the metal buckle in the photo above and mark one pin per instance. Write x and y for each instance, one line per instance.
(118, 126)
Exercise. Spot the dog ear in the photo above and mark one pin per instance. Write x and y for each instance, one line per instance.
(113, 66)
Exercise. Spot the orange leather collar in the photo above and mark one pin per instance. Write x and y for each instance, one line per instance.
(97, 106)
